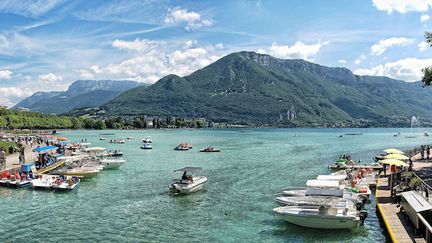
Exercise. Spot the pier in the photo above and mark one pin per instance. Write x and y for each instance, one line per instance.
(398, 226)
(397, 223)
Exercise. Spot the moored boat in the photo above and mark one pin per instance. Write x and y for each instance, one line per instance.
(109, 164)
(55, 182)
(322, 216)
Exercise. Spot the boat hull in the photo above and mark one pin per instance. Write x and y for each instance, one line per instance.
(317, 222)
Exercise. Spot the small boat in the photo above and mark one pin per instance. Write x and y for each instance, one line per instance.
(55, 182)
(316, 200)
(183, 147)
(115, 153)
(129, 138)
(102, 139)
(146, 146)
(107, 134)
(109, 164)
(322, 216)
(14, 180)
(81, 172)
(188, 183)
(210, 149)
(147, 140)
(426, 134)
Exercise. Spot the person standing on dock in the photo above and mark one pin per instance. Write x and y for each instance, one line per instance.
(427, 151)
(2, 159)
(22, 155)
(422, 152)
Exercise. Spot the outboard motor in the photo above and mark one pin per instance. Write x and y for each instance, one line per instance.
(363, 215)
(359, 205)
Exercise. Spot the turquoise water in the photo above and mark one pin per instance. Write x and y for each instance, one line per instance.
(132, 203)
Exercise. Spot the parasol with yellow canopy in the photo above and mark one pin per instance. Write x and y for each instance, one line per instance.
(396, 156)
(393, 151)
(393, 162)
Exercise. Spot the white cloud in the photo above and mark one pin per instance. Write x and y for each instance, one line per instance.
(342, 61)
(4, 41)
(192, 19)
(136, 45)
(49, 78)
(424, 18)
(298, 50)
(12, 95)
(381, 46)
(360, 59)
(408, 69)
(423, 45)
(402, 6)
(5, 74)
(28, 8)
(219, 46)
(150, 62)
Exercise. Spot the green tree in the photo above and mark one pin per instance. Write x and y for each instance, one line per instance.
(427, 71)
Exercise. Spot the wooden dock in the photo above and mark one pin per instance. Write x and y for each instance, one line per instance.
(397, 225)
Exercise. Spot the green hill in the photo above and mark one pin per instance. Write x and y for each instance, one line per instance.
(250, 88)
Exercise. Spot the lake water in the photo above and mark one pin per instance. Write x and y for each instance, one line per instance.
(133, 204)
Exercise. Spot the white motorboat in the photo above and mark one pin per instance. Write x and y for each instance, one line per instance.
(147, 140)
(188, 183)
(55, 182)
(322, 216)
(322, 192)
(109, 164)
(146, 146)
(316, 200)
(329, 184)
(333, 177)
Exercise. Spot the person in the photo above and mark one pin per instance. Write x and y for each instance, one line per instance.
(184, 176)
(22, 155)
(427, 151)
(410, 164)
(2, 158)
(422, 152)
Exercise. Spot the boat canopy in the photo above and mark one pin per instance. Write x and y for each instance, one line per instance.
(64, 142)
(41, 149)
(332, 177)
(324, 192)
(322, 183)
(189, 169)
(95, 149)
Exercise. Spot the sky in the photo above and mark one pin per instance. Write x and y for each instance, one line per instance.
(46, 45)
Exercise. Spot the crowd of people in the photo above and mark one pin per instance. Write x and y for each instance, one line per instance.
(425, 151)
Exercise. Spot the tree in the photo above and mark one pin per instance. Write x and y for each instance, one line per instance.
(427, 71)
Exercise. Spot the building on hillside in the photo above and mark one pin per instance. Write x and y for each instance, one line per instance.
(23, 109)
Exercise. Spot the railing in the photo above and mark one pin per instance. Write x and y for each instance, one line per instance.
(426, 191)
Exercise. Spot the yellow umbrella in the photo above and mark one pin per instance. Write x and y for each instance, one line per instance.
(393, 162)
(396, 156)
(393, 151)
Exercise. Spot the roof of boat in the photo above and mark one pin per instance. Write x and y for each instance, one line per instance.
(322, 183)
(324, 192)
(189, 169)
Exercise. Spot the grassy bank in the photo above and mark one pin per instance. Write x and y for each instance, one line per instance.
(7, 145)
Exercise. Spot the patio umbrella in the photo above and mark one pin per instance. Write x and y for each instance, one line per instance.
(394, 162)
(396, 156)
(393, 151)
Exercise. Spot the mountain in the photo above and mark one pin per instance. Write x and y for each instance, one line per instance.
(251, 88)
(81, 93)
